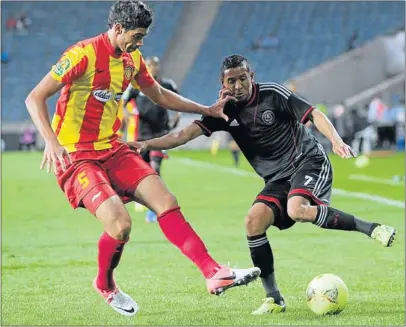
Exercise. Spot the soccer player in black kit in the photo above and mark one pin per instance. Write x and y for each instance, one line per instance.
(267, 122)
(154, 121)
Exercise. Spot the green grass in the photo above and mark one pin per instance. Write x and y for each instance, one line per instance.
(49, 252)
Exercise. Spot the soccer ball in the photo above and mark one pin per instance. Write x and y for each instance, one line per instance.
(327, 294)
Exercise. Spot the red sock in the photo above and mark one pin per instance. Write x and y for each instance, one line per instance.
(110, 251)
(178, 231)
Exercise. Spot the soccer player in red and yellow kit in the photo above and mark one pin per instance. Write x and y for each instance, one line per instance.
(98, 171)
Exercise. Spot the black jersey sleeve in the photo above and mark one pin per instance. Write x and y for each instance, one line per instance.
(291, 105)
(299, 108)
(210, 125)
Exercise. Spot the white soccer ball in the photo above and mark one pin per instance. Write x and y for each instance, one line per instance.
(362, 162)
(327, 294)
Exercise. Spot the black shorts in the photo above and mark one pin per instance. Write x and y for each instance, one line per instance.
(312, 180)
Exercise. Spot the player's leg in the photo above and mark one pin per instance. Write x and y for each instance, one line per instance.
(137, 179)
(179, 232)
(267, 210)
(155, 161)
(87, 185)
(309, 200)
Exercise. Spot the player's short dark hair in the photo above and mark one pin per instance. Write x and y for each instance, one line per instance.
(234, 61)
(130, 14)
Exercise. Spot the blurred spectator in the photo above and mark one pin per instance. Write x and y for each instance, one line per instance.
(11, 24)
(364, 134)
(29, 138)
(26, 21)
(22, 24)
(379, 117)
(4, 57)
(352, 40)
(291, 86)
(396, 115)
(341, 122)
(266, 42)
(376, 110)
(3, 145)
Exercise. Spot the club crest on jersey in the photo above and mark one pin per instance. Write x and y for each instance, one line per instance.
(128, 72)
(268, 117)
(102, 95)
(61, 67)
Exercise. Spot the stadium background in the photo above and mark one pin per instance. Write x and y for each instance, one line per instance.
(48, 254)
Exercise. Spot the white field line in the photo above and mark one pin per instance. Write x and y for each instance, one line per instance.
(238, 172)
(377, 180)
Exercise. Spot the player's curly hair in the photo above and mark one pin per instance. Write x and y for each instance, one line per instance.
(233, 61)
(130, 14)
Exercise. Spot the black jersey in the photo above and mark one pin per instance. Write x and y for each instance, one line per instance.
(154, 120)
(268, 129)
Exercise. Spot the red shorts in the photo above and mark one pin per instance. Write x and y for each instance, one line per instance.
(95, 176)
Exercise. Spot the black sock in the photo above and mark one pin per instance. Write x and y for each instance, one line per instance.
(236, 156)
(331, 218)
(262, 257)
(363, 226)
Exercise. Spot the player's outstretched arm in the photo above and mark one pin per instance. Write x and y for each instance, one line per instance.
(172, 101)
(38, 109)
(324, 125)
(169, 141)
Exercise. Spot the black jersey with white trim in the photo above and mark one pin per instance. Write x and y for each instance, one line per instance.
(268, 129)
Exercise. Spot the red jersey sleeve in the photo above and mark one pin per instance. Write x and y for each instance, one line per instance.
(71, 66)
(143, 78)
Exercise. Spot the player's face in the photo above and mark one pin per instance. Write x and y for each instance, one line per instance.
(130, 40)
(153, 67)
(239, 81)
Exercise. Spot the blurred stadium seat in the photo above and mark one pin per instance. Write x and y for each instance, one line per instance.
(308, 32)
(56, 26)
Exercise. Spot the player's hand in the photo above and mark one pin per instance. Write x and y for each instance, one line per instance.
(138, 146)
(343, 150)
(54, 153)
(217, 109)
(224, 92)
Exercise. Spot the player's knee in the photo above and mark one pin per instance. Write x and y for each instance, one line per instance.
(167, 202)
(122, 228)
(120, 225)
(254, 225)
(297, 212)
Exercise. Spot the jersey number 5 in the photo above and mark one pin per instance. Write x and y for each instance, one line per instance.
(83, 180)
(308, 180)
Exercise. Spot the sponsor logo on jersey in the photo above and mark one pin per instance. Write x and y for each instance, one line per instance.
(102, 95)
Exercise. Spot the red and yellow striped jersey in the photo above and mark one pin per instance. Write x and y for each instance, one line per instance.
(88, 115)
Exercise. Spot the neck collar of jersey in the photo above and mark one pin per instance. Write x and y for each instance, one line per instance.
(253, 95)
(110, 49)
